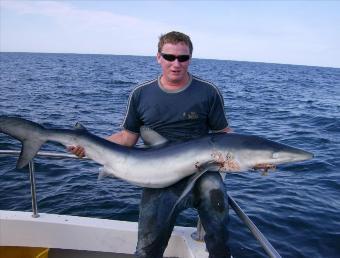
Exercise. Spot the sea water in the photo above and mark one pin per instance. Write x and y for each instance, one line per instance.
(297, 206)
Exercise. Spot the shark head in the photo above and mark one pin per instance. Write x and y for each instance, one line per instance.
(236, 152)
(256, 152)
(289, 154)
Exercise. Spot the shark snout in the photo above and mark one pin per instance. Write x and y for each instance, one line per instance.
(292, 155)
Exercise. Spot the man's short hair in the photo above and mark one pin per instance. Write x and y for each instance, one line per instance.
(174, 37)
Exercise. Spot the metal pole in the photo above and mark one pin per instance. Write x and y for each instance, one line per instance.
(198, 235)
(270, 250)
(33, 192)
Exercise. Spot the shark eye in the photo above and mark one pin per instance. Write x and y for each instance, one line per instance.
(276, 155)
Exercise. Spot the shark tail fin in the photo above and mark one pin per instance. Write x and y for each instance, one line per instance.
(29, 149)
(31, 135)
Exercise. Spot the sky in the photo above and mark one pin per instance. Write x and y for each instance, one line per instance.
(287, 32)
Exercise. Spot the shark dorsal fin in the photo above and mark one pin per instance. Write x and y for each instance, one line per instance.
(80, 127)
(151, 137)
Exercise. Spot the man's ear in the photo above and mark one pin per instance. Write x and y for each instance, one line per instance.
(158, 56)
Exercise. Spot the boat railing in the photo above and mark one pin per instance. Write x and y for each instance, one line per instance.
(198, 235)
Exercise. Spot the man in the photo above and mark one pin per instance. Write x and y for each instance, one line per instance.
(178, 106)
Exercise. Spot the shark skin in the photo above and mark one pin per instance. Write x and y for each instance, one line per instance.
(164, 164)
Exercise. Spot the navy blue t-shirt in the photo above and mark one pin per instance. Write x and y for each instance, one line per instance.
(186, 114)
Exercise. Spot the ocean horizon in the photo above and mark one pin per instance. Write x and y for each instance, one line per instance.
(153, 56)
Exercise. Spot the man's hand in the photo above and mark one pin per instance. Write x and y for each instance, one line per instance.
(224, 130)
(77, 150)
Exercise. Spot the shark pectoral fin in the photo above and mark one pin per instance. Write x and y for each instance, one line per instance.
(29, 149)
(202, 169)
(151, 137)
(104, 172)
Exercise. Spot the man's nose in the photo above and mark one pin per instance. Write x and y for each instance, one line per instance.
(176, 62)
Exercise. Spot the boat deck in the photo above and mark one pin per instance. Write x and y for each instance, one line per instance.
(62, 253)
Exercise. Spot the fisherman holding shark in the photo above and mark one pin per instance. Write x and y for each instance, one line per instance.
(181, 109)
(178, 106)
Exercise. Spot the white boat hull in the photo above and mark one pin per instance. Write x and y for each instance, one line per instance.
(90, 234)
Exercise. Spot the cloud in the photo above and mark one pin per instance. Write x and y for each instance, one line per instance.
(224, 30)
(64, 12)
(80, 30)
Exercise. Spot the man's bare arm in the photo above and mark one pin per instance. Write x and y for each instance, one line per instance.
(123, 137)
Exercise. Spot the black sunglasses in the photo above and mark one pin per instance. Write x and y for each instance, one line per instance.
(171, 58)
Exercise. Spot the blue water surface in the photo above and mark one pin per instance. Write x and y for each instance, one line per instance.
(297, 207)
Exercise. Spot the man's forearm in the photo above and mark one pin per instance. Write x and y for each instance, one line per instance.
(124, 137)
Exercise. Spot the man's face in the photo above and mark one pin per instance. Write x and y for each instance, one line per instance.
(174, 72)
